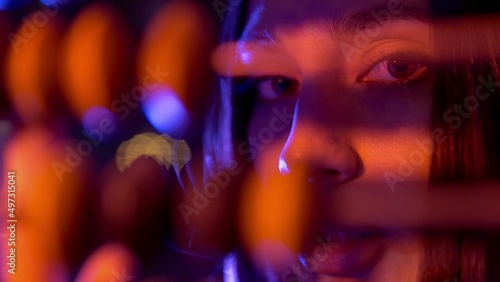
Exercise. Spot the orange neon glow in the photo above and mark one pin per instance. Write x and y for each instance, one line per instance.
(178, 41)
(111, 262)
(273, 215)
(30, 72)
(95, 58)
(46, 206)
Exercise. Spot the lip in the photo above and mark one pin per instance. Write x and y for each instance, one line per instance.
(345, 252)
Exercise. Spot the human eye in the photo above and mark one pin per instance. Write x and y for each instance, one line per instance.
(396, 69)
(274, 87)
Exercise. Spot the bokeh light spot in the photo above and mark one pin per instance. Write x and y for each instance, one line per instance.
(50, 3)
(246, 57)
(165, 112)
(101, 119)
(13, 4)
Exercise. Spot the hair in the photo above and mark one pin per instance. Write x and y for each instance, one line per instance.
(470, 153)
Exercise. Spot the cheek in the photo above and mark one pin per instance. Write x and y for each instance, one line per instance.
(395, 159)
(392, 109)
(390, 132)
(270, 122)
(394, 142)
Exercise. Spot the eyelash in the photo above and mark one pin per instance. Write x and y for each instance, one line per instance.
(384, 56)
(251, 84)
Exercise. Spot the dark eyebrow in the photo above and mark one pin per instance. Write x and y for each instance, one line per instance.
(353, 21)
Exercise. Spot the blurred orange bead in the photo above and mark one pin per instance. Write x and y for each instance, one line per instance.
(31, 78)
(46, 208)
(178, 41)
(131, 198)
(96, 58)
(274, 215)
(111, 262)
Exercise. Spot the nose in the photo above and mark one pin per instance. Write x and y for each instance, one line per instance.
(326, 158)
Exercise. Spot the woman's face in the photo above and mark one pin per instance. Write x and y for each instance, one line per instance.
(344, 92)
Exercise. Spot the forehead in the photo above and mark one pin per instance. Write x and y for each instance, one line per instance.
(270, 14)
